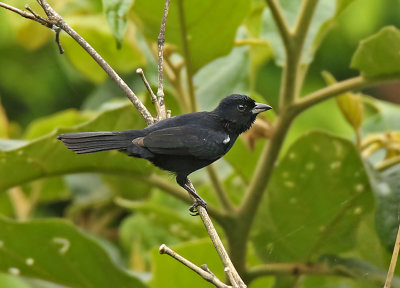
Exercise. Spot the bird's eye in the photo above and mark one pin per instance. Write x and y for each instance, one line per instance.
(241, 107)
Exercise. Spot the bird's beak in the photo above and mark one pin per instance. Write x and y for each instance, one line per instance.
(260, 107)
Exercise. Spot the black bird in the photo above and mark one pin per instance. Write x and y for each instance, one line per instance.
(181, 144)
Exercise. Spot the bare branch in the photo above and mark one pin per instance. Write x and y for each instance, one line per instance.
(229, 274)
(203, 272)
(152, 95)
(161, 41)
(223, 255)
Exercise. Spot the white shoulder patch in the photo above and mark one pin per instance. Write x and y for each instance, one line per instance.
(226, 140)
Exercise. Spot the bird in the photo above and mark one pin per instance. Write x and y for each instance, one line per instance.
(181, 144)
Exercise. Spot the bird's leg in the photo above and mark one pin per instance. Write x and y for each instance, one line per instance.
(198, 201)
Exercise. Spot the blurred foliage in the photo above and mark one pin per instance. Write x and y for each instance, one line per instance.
(333, 198)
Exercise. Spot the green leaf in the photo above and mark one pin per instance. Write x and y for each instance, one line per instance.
(9, 281)
(387, 190)
(379, 54)
(94, 30)
(47, 156)
(387, 118)
(324, 16)
(318, 194)
(168, 270)
(210, 26)
(116, 12)
(56, 251)
(46, 125)
(363, 274)
(230, 74)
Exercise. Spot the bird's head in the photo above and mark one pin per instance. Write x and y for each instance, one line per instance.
(239, 111)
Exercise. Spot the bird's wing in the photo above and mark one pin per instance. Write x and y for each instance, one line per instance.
(186, 140)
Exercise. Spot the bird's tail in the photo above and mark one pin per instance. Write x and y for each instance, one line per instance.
(90, 142)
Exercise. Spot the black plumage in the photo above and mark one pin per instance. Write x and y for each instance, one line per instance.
(181, 144)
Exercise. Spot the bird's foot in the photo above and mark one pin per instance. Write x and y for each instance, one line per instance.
(198, 202)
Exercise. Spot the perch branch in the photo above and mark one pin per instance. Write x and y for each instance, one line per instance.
(161, 40)
(218, 244)
(204, 272)
(153, 97)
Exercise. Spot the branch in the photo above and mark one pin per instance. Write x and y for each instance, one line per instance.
(203, 272)
(181, 194)
(290, 269)
(280, 22)
(386, 164)
(355, 83)
(303, 22)
(161, 40)
(223, 255)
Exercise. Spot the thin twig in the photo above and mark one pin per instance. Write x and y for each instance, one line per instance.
(205, 273)
(393, 261)
(161, 40)
(229, 275)
(385, 164)
(223, 255)
(153, 97)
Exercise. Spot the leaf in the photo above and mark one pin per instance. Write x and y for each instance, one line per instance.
(379, 55)
(46, 125)
(324, 16)
(116, 12)
(387, 118)
(349, 103)
(9, 281)
(93, 29)
(210, 26)
(363, 274)
(318, 194)
(167, 270)
(56, 251)
(387, 190)
(47, 156)
(230, 74)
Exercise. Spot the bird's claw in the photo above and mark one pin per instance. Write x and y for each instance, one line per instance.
(198, 202)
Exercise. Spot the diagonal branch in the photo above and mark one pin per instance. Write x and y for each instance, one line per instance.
(280, 22)
(203, 271)
(354, 83)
